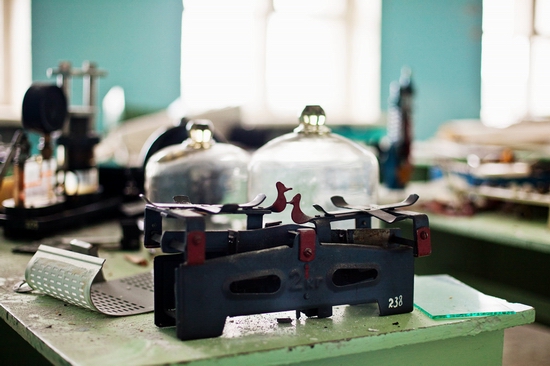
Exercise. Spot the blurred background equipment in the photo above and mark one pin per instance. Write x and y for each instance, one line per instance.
(60, 184)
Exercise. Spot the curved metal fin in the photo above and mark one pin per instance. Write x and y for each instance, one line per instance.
(255, 202)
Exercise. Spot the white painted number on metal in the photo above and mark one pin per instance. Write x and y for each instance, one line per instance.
(395, 302)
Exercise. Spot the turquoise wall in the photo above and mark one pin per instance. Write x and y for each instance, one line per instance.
(136, 41)
(441, 42)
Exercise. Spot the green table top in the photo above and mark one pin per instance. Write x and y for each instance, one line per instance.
(497, 227)
(494, 226)
(66, 334)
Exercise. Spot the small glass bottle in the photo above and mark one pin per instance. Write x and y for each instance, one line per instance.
(316, 163)
(204, 170)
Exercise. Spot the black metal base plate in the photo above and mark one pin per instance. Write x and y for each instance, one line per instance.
(37, 223)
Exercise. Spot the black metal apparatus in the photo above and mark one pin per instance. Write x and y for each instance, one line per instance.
(306, 266)
(60, 187)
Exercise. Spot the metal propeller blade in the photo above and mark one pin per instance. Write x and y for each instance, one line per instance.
(379, 214)
(255, 202)
(376, 211)
(339, 201)
(183, 202)
(212, 209)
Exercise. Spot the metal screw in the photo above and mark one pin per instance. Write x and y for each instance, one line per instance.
(308, 252)
(423, 235)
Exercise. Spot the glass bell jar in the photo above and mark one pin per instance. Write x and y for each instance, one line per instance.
(316, 163)
(204, 170)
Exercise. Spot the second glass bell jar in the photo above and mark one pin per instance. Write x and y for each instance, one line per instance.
(316, 163)
(204, 170)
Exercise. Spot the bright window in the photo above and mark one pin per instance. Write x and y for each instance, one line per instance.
(515, 58)
(272, 57)
(15, 56)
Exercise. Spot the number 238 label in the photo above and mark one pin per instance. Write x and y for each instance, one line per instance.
(395, 302)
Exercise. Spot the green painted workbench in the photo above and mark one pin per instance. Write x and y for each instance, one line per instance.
(498, 253)
(65, 334)
(506, 229)
(504, 253)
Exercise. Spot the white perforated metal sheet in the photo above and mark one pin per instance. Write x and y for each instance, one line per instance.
(69, 276)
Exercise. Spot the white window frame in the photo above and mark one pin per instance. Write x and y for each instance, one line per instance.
(508, 78)
(362, 92)
(15, 57)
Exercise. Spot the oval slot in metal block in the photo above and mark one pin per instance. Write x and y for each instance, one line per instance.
(353, 276)
(258, 285)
